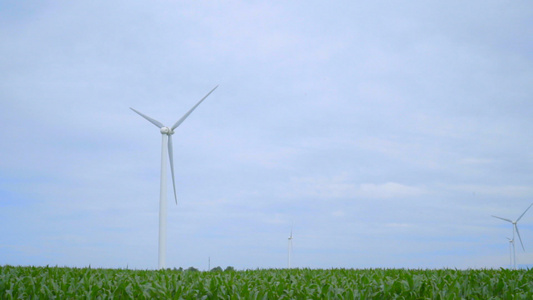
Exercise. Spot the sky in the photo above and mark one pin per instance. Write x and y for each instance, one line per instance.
(384, 133)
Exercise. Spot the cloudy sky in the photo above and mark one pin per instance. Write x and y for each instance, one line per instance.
(386, 132)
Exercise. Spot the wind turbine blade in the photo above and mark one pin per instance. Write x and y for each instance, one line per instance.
(503, 219)
(524, 213)
(171, 160)
(153, 121)
(190, 111)
(518, 232)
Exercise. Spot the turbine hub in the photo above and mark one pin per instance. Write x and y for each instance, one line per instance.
(167, 131)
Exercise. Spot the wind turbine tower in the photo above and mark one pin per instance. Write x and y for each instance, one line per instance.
(515, 229)
(511, 249)
(166, 146)
(290, 250)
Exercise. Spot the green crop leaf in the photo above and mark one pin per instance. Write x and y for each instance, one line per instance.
(90, 283)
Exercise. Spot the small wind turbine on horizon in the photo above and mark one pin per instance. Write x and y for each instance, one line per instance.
(511, 248)
(290, 250)
(166, 133)
(515, 229)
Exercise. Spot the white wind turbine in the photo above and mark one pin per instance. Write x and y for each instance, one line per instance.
(166, 133)
(290, 250)
(511, 248)
(515, 229)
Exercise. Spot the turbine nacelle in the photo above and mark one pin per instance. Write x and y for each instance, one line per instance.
(166, 130)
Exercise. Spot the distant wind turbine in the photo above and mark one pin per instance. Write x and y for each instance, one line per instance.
(511, 248)
(515, 229)
(166, 133)
(290, 250)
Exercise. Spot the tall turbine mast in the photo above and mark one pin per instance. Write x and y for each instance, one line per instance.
(515, 229)
(511, 248)
(290, 250)
(166, 146)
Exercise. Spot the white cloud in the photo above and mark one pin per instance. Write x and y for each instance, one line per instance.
(389, 190)
(268, 158)
(342, 187)
(511, 191)
(476, 161)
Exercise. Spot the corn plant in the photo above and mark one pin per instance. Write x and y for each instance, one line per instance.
(88, 283)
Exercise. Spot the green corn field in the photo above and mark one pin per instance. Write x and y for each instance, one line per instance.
(88, 283)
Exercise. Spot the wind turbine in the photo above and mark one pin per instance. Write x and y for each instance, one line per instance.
(515, 228)
(511, 248)
(290, 249)
(166, 133)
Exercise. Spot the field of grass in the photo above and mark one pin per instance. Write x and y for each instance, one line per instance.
(87, 283)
